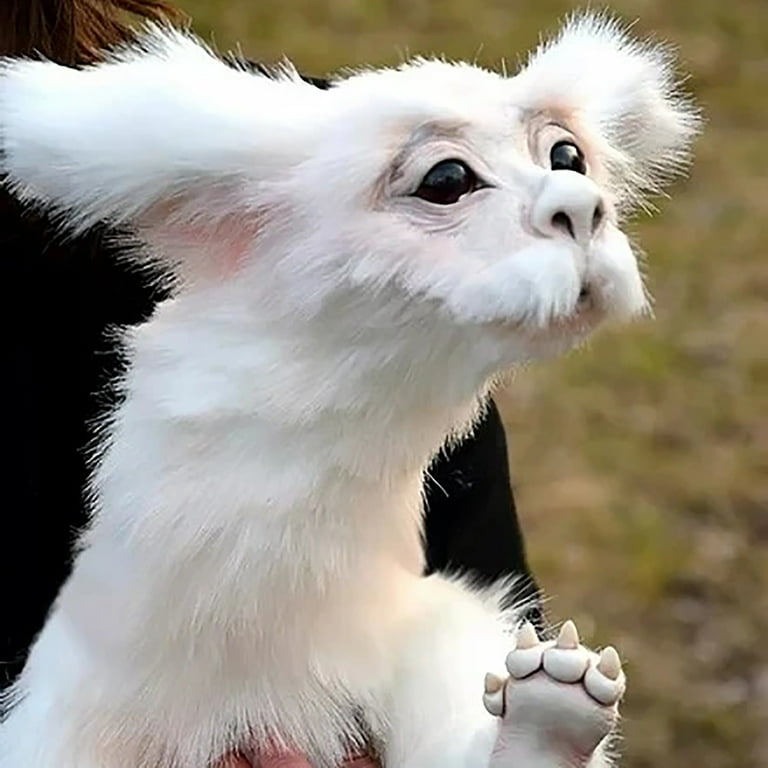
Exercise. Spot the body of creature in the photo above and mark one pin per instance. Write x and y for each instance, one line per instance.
(356, 268)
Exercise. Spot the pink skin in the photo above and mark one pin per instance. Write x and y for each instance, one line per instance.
(292, 761)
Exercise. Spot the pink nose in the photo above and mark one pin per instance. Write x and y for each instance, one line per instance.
(568, 205)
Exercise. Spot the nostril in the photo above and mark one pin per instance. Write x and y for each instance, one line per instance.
(562, 221)
(597, 217)
(585, 300)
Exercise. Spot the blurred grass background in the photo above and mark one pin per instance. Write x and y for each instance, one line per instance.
(641, 463)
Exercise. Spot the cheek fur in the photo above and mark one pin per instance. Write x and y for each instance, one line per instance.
(532, 285)
(614, 270)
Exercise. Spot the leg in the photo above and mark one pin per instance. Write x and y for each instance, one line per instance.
(433, 710)
(555, 711)
(559, 704)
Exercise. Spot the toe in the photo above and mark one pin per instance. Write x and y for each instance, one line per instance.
(604, 680)
(522, 663)
(493, 697)
(566, 660)
(566, 666)
(494, 703)
(525, 659)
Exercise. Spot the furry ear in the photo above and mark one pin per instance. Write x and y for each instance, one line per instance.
(162, 135)
(622, 89)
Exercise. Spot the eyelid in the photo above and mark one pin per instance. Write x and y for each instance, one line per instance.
(405, 176)
(542, 139)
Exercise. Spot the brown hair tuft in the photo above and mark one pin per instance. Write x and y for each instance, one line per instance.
(74, 32)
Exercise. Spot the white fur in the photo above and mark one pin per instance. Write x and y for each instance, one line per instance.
(253, 565)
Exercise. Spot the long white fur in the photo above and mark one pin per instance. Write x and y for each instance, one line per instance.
(253, 566)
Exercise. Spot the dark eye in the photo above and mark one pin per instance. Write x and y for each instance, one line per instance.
(447, 182)
(566, 156)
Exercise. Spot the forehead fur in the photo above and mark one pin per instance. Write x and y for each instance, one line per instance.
(618, 92)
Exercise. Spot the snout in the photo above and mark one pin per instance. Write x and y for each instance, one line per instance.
(568, 206)
(570, 213)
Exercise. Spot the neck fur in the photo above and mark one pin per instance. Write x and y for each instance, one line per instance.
(258, 446)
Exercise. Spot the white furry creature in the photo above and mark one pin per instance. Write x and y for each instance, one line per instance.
(356, 267)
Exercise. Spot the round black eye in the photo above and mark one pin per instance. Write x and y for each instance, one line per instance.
(447, 182)
(566, 156)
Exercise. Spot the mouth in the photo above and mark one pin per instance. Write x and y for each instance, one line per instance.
(586, 315)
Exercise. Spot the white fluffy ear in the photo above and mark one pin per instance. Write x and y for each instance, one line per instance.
(162, 134)
(625, 90)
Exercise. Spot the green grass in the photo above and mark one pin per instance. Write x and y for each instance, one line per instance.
(641, 463)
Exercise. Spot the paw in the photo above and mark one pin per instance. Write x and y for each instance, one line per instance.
(559, 697)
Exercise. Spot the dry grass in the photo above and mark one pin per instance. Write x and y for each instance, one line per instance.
(642, 463)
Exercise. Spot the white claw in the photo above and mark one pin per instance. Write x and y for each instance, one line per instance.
(493, 683)
(527, 637)
(568, 637)
(610, 663)
(493, 698)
